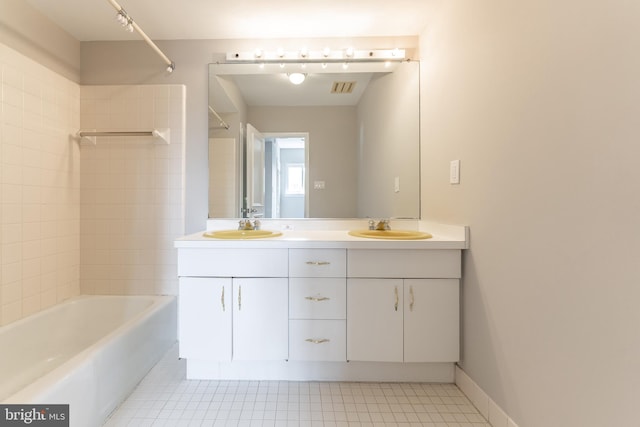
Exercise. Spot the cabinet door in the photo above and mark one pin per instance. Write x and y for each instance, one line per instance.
(260, 319)
(374, 320)
(204, 318)
(431, 320)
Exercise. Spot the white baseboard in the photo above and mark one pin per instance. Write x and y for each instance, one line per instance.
(481, 400)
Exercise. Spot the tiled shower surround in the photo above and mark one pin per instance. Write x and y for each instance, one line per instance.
(131, 206)
(40, 187)
(85, 219)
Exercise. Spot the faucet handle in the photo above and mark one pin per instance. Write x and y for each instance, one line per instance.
(383, 224)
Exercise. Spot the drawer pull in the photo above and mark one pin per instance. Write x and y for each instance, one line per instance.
(314, 341)
(222, 299)
(395, 306)
(317, 298)
(239, 298)
(318, 263)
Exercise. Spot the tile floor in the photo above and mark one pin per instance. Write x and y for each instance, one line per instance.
(165, 398)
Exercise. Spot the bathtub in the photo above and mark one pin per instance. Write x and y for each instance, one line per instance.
(88, 352)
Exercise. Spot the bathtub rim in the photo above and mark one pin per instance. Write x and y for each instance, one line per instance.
(33, 392)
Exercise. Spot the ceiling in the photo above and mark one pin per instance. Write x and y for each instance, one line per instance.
(94, 20)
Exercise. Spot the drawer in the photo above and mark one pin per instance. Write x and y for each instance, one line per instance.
(232, 262)
(317, 263)
(317, 298)
(404, 263)
(318, 340)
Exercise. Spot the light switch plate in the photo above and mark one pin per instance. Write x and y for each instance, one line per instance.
(454, 172)
(318, 185)
(396, 184)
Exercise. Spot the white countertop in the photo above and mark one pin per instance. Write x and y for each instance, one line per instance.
(331, 234)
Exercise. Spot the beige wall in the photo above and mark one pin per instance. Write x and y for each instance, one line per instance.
(29, 32)
(539, 101)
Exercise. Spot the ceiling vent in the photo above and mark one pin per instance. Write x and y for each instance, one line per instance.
(343, 87)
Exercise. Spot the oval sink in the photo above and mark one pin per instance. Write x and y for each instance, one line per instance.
(391, 234)
(242, 234)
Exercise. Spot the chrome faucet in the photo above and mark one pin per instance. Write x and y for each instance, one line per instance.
(248, 225)
(383, 224)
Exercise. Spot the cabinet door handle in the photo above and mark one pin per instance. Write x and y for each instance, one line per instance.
(395, 306)
(318, 263)
(239, 297)
(316, 341)
(411, 298)
(317, 298)
(222, 299)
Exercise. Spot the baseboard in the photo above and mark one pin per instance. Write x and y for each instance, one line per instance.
(320, 371)
(481, 400)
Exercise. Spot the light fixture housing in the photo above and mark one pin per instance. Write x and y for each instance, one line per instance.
(320, 56)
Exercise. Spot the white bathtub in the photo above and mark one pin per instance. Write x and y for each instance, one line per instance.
(89, 352)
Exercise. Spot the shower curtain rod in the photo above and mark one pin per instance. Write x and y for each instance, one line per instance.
(222, 122)
(170, 64)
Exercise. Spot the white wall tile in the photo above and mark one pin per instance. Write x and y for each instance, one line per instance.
(39, 111)
(120, 181)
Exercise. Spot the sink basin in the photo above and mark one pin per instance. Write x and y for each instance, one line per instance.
(391, 234)
(242, 234)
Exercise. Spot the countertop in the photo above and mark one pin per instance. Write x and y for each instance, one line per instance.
(334, 234)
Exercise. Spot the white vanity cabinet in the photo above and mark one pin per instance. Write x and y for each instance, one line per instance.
(317, 305)
(403, 306)
(233, 304)
(320, 305)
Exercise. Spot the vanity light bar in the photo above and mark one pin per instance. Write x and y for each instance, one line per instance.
(325, 55)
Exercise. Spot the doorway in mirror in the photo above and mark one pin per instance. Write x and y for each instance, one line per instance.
(286, 169)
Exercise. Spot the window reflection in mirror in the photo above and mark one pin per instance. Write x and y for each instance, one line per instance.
(361, 149)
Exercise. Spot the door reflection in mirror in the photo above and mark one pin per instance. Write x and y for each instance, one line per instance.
(285, 175)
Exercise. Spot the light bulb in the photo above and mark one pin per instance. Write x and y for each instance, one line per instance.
(325, 52)
(297, 78)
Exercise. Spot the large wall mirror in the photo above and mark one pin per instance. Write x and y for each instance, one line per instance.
(343, 143)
